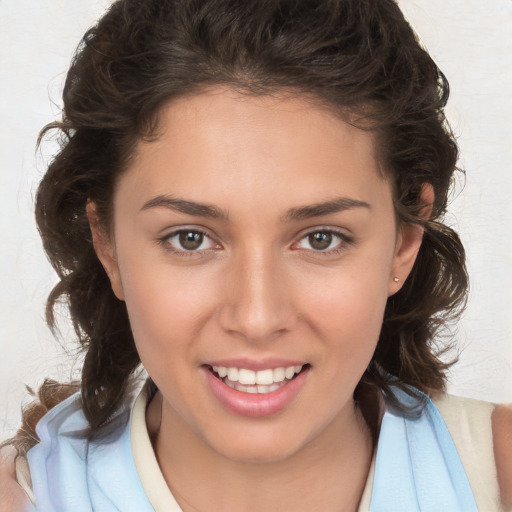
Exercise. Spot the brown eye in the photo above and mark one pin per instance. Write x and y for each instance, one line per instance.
(320, 241)
(190, 240)
(324, 241)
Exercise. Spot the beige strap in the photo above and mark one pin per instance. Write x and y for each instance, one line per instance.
(23, 477)
(469, 423)
(150, 475)
(366, 498)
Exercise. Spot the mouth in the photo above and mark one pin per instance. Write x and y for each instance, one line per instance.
(260, 382)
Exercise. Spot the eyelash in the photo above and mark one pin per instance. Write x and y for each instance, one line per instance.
(344, 241)
(165, 241)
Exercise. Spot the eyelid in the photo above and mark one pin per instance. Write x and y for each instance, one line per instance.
(164, 241)
(345, 240)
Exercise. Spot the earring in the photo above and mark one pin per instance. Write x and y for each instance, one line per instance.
(396, 279)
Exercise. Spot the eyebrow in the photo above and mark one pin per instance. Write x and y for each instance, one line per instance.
(316, 210)
(300, 213)
(187, 207)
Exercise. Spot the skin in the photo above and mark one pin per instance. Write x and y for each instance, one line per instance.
(258, 289)
(255, 290)
(502, 434)
(12, 496)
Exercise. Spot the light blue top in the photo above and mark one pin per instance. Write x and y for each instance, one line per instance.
(417, 466)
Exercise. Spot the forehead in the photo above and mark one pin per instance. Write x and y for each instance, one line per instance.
(222, 146)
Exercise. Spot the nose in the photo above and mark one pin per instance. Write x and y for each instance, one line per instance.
(258, 301)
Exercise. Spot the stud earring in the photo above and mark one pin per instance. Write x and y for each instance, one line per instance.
(396, 279)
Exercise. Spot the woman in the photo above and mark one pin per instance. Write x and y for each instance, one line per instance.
(248, 200)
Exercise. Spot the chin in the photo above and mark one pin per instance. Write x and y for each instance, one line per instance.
(261, 454)
(260, 446)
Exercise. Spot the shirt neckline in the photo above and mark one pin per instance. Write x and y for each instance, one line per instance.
(151, 477)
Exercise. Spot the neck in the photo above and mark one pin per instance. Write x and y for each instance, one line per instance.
(333, 469)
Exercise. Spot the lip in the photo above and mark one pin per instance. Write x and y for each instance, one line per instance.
(255, 405)
(255, 365)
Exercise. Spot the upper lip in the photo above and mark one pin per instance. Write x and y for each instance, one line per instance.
(254, 364)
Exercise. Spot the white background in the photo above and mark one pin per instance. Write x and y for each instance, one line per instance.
(471, 40)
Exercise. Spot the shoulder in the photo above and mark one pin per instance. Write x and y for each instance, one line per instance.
(502, 439)
(13, 497)
(15, 476)
(471, 424)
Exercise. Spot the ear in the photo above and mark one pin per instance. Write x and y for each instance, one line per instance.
(409, 242)
(105, 249)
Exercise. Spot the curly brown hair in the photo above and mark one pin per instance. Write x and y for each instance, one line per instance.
(360, 57)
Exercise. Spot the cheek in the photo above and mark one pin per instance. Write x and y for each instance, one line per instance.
(347, 309)
(351, 321)
(353, 295)
(168, 306)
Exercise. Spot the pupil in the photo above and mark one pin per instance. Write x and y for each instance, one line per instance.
(190, 240)
(320, 241)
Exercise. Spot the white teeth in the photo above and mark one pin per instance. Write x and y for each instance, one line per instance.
(265, 377)
(278, 374)
(247, 377)
(233, 374)
(289, 372)
(262, 381)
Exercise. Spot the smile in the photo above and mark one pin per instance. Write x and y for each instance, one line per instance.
(261, 381)
(258, 392)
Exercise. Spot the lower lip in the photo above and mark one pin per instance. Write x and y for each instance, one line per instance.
(256, 404)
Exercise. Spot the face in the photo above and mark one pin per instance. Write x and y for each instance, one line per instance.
(255, 245)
